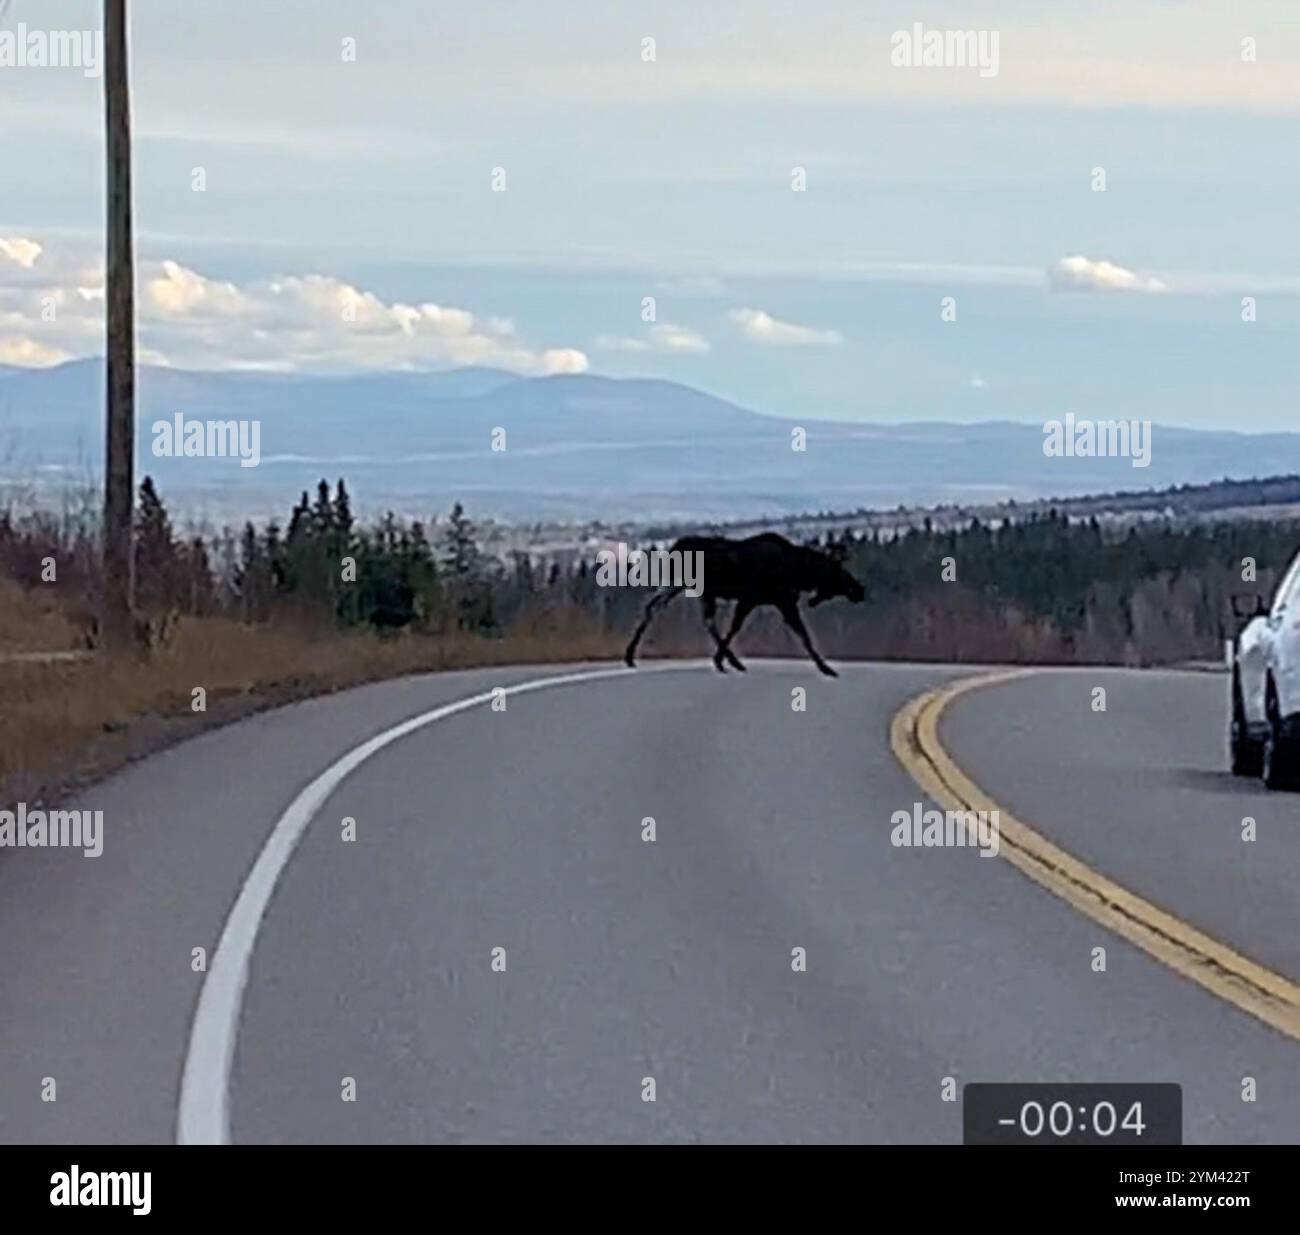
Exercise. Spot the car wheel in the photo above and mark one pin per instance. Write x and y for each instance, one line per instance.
(1278, 768)
(1245, 754)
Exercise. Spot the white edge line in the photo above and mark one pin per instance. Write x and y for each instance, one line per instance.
(203, 1111)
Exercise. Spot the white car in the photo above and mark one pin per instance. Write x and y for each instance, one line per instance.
(1264, 736)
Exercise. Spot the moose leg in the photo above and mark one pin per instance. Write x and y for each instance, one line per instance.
(710, 609)
(657, 602)
(790, 611)
(743, 609)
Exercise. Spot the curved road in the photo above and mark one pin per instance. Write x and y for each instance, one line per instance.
(521, 829)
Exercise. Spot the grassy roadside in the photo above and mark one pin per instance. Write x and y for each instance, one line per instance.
(68, 722)
(64, 724)
(32, 621)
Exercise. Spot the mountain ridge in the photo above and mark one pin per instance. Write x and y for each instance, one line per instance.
(577, 446)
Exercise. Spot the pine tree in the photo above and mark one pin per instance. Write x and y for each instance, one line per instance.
(199, 572)
(251, 570)
(342, 510)
(299, 524)
(273, 554)
(322, 513)
(468, 578)
(157, 563)
(460, 550)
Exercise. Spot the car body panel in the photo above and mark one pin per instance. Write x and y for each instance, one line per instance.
(1251, 669)
(1268, 648)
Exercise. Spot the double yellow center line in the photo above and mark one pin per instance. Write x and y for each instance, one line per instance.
(914, 736)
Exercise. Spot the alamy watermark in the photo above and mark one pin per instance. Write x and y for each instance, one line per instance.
(954, 829)
(123, 1189)
(55, 829)
(624, 567)
(1098, 439)
(28, 48)
(919, 48)
(208, 439)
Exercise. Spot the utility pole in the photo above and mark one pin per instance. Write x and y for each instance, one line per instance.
(119, 455)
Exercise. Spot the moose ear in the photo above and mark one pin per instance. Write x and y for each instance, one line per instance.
(837, 551)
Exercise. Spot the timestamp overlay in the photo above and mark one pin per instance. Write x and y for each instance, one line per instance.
(1072, 1114)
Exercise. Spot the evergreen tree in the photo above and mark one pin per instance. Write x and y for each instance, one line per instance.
(198, 570)
(342, 511)
(322, 512)
(251, 572)
(299, 522)
(158, 568)
(460, 550)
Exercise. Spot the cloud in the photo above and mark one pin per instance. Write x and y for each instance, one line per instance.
(666, 337)
(761, 327)
(29, 354)
(20, 251)
(1082, 274)
(308, 323)
(179, 293)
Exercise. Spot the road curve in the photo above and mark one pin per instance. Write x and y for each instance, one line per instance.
(521, 829)
(1224, 971)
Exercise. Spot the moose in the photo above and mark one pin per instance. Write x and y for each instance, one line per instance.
(759, 570)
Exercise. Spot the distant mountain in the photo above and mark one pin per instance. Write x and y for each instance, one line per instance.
(577, 447)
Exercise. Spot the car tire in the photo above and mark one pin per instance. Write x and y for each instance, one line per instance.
(1278, 764)
(1245, 753)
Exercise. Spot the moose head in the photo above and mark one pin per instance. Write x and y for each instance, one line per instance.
(833, 580)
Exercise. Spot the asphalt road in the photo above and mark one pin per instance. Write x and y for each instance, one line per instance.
(624, 960)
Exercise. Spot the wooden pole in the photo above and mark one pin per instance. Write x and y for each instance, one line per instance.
(119, 458)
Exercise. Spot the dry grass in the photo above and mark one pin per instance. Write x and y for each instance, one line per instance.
(66, 722)
(32, 621)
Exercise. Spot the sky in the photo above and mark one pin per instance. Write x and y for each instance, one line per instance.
(327, 186)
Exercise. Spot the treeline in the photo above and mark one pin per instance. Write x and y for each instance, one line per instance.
(1175, 503)
(1050, 588)
(1199, 499)
(319, 570)
(1047, 588)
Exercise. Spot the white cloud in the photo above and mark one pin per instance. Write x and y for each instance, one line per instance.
(178, 292)
(1082, 274)
(665, 337)
(311, 322)
(29, 354)
(761, 327)
(20, 251)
